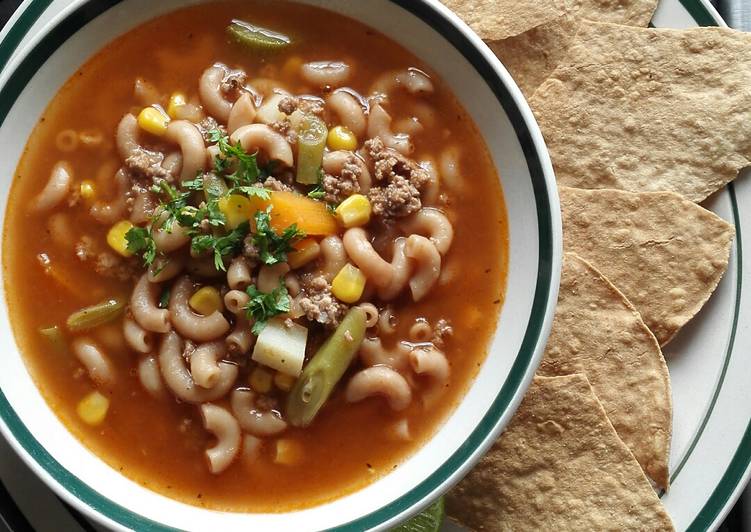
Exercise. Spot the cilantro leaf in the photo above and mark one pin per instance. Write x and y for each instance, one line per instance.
(234, 156)
(176, 208)
(265, 305)
(141, 242)
(215, 135)
(194, 184)
(222, 245)
(252, 191)
(273, 248)
(317, 192)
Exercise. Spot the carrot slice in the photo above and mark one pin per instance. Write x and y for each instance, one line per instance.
(311, 216)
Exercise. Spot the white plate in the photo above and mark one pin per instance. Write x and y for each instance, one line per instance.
(709, 361)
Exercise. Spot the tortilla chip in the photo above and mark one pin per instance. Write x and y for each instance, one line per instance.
(493, 20)
(596, 331)
(532, 56)
(665, 253)
(628, 12)
(649, 109)
(559, 466)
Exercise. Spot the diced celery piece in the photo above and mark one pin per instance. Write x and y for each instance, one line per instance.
(281, 347)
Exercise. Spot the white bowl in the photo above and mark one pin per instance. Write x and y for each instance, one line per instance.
(431, 32)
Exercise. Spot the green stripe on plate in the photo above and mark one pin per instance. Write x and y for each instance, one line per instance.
(739, 464)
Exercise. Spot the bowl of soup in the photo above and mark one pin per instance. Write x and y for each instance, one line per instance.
(277, 265)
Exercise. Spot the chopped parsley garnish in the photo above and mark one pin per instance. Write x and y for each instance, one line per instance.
(265, 305)
(221, 245)
(140, 242)
(273, 248)
(234, 156)
(194, 184)
(252, 191)
(317, 192)
(176, 207)
(211, 212)
(206, 224)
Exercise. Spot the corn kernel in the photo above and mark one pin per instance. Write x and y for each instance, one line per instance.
(341, 138)
(261, 380)
(348, 284)
(116, 237)
(92, 409)
(87, 190)
(236, 208)
(306, 250)
(206, 301)
(152, 120)
(176, 100)
(283, 381)
(288, 452)
(354, 211)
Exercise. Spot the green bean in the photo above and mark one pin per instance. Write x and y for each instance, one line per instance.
(325, 369)
(255, 38)
(55, 337)
(311, 141)
(95, 315)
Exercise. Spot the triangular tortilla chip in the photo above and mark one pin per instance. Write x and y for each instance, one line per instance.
(493, 20)
(665, 253)
(628, 12)
(596, 331)
(558, 466)
(532, 56)
(649, 109)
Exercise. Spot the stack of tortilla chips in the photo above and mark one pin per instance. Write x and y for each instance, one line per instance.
(642, 125)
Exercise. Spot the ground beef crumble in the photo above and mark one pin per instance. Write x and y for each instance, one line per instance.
(318, 303)
(146, 164)
(105, 263)
(338, 188)
(290, 104)
(273, 183)
(250, 251)
(399, 180)
(285, 129)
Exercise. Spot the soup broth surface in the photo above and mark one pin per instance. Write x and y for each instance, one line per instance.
(160, 442)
